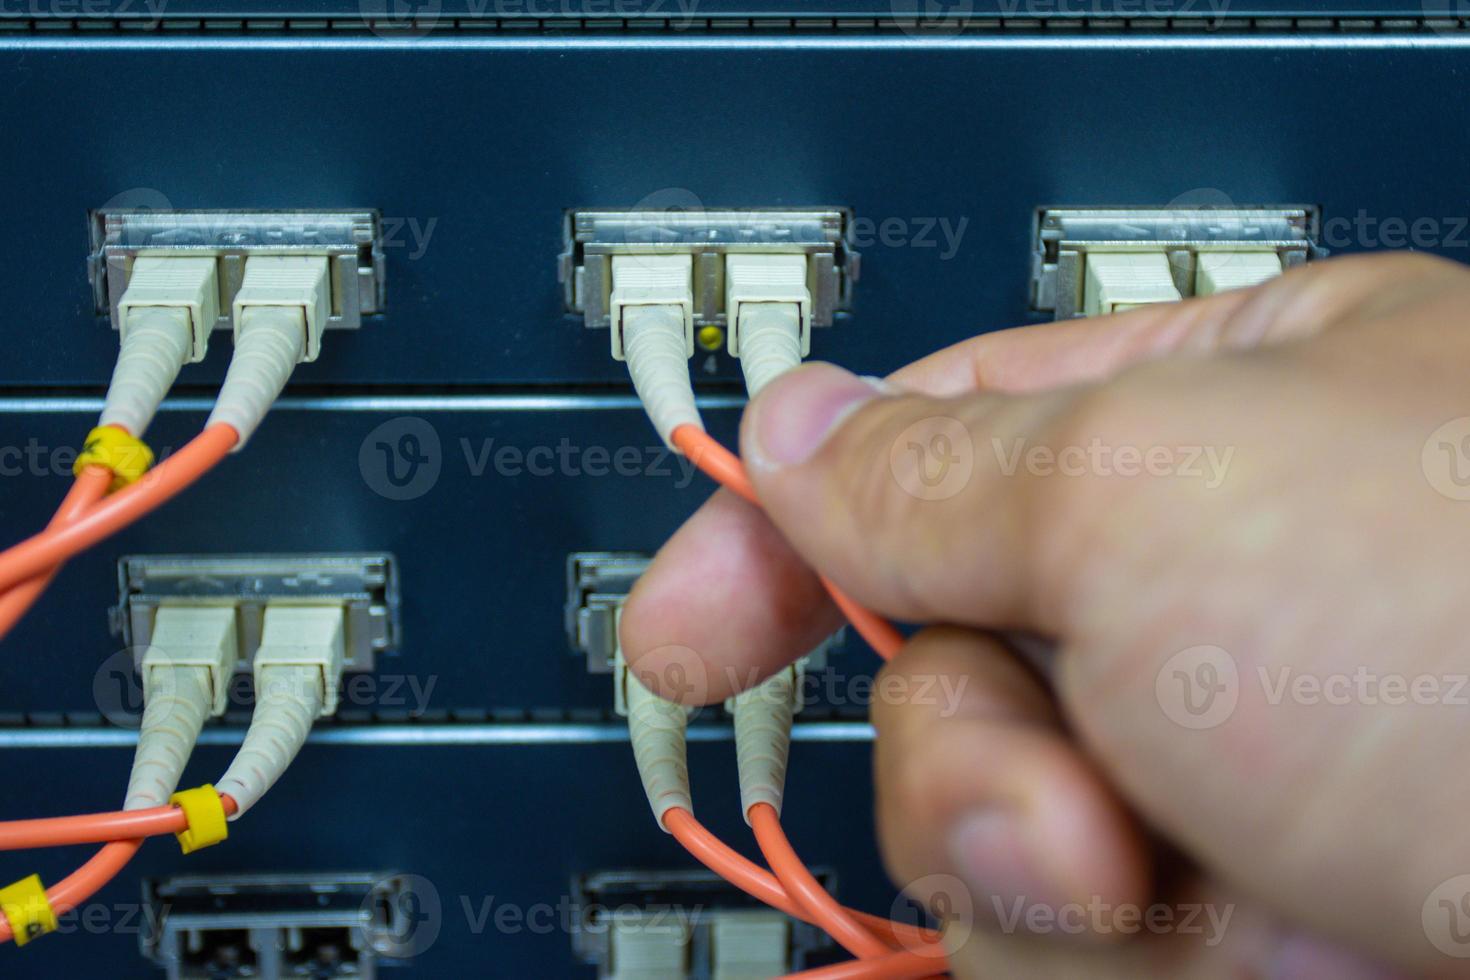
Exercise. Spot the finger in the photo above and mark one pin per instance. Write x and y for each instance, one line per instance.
(1037, 357)
(1196, 930)
(912, 504)
(1300, 303)
(725, 604)
(982, 796)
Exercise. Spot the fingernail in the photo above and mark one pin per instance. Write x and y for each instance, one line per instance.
(797, 413)
(1306, 958)
(992, 852)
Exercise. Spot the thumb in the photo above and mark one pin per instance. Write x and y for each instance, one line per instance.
(918, 507)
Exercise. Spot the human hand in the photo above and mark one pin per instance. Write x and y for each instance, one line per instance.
(1216, 509)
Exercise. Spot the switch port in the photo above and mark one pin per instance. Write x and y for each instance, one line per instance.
(352, 241)
(365, 584)
(275, 926)
(687, 925)
(219, 954)
(591, 237)
(1188, 244)
(598, 582)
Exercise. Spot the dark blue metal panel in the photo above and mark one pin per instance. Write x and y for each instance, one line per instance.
(487, 827)
(491, 139)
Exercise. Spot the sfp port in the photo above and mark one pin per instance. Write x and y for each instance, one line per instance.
(598, 582)
(1089, 261)
(592, 237)
(686, 925)
(218, 954)
(365, 584)
(275, 926)
(352, 241)
(322, 952)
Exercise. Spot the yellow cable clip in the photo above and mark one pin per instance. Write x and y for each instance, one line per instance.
(205, 813)
(28, 909)
(127, 456)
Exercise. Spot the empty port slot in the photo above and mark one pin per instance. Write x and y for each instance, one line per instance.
(273, 926)
(218, 954)
(323, 953)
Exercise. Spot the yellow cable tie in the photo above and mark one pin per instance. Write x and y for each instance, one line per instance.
(28, 909)
(205, 813)
(127, 456)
